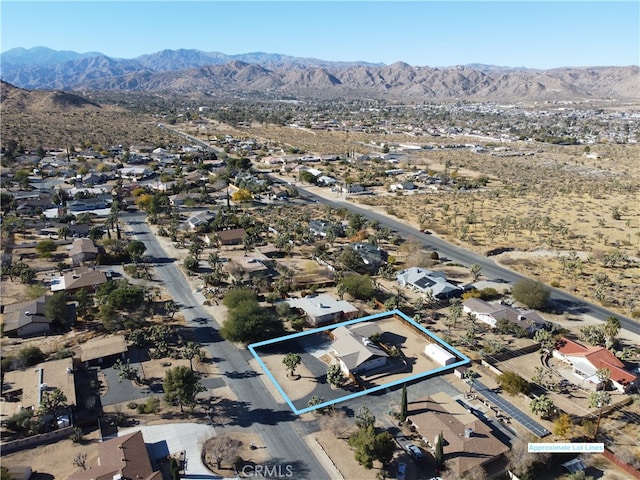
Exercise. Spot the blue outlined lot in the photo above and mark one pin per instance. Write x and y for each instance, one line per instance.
(259, 348)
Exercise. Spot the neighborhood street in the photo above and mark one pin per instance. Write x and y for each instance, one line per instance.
(256, 408)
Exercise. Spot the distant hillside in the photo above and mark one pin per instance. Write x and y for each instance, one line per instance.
(13, 99)
(196, 72)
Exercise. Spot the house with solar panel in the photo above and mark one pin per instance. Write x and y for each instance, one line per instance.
(423, 281)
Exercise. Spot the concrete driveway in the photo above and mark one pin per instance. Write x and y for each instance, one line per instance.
(163, 440)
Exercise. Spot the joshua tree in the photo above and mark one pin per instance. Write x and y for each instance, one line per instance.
(291, 361)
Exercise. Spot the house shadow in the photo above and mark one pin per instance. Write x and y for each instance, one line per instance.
(391, 338)
(158, 450)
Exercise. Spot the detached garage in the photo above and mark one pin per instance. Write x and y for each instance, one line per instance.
(439, 354)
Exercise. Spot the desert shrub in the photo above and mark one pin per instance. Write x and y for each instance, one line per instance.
(152, 405)
(132, 405)
(532, 293)
(29, 356)
(513, 383)
(64, 353)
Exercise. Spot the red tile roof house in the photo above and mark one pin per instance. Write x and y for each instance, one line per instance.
(585, 361)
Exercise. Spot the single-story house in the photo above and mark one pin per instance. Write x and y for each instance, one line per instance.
(371, 255)
(124, 457)
(87, 205)
(83, 250)
(232, 236)
(488, 313)
(81, 277)
(200, 218)
(586, 361)
(320, 228)
(180, 199)
(103, 348)
(355, 349)
(26, 385)
(423, 280)
(243, 269)
(469, 444)
(26, 318)
(322, 308)
(134, 173)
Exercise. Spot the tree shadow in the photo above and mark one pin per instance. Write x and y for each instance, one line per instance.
(238, 413)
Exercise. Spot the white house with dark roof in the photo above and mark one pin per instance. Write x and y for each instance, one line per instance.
(423, 280)
(322, 309)
(355, 349)
(26, 318)
(490, 314)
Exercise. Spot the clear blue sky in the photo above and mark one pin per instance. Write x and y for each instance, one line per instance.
(544, 34)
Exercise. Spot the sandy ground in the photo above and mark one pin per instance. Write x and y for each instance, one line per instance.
(57, 458)
(298, 386)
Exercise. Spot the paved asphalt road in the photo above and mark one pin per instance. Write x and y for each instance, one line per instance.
(490, 269)
(255, 407)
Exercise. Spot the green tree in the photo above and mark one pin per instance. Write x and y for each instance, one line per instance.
(56, 309)
(383, 447)
(126, 297)
(476, 270)
(404, 404)
(95, 233)
(611, 329)
(291, 362)
(599, 400)
(469, 376)
(594, 335)
(52, 402)
(171, 308)
(136, 249)
(363, 441)
(190, 351)
(352, 260)
(64, 231)
(438, 454)
(191, 264)
(545, 339)
(542, 405)
(364, 417)
(533, 293)
(181, 385)
(85, 302)
(512, 383)
(358, 286)
(30, 356)
(249, 322)
(45, 248)
(335, 377)
(237, 295)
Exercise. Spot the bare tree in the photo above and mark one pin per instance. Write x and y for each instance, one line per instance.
(337, 423)
(222, 448)
(80, 460)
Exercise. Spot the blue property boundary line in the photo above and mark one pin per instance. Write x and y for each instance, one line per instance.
(252, 348)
